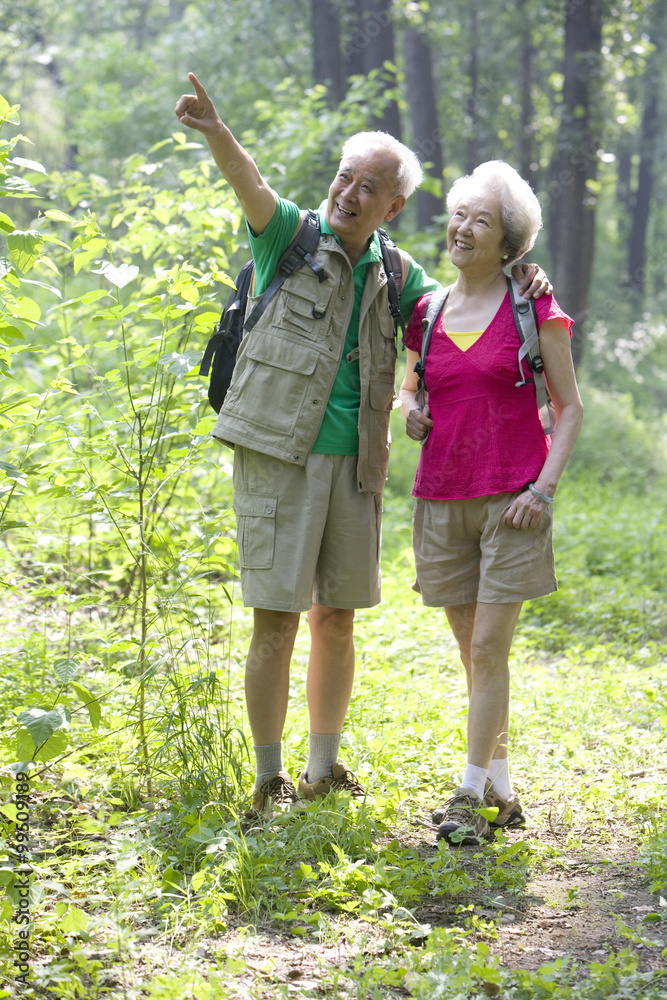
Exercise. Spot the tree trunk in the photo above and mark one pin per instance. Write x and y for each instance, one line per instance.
(325, 30)
(576, 163)
(424, 117)
(378, 51)
(636, 267)
(527, 159)
(353, 56)
(472, 144)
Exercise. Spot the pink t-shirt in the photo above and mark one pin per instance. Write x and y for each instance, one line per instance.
(486, 436)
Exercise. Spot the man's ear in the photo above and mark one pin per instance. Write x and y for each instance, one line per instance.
(395, 207)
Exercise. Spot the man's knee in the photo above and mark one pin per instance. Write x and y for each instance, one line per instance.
(273, 629)
(331, 623)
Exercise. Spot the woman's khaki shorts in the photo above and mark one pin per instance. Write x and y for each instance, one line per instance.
(466, 552)
(305, 534)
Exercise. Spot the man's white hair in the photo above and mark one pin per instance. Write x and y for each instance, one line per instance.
(520, 210)
(408, 168)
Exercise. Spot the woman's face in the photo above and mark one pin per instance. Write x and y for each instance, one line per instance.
(475, 238)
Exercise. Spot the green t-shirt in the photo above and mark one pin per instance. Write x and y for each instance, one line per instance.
(338, 433)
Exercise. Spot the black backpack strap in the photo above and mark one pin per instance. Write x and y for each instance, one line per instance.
(299, 252)
(236, 301)
(525, 319)
(393, 266)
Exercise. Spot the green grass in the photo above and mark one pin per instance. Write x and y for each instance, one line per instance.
(162, 893)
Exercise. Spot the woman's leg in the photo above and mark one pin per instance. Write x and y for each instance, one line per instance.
(484, 633)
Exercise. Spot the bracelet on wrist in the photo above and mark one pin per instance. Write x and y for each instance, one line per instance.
(540, 496)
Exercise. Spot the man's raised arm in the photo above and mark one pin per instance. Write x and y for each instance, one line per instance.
(257, 200)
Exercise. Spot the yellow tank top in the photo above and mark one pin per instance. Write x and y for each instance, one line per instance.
(465, 340)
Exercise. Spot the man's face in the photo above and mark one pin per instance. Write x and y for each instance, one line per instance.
(362, 197)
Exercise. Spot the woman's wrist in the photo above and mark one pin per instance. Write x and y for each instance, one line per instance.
(539, 494)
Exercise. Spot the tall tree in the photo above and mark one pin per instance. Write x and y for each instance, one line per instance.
(424, 118)
(378, 48)
(327, 61)
(472, 143)
(573, 218)
(650, 128)
(527, 165)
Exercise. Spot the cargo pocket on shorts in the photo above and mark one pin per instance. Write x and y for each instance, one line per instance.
(255, 529)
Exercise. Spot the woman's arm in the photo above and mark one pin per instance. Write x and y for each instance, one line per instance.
(417, 421)
(527, 509)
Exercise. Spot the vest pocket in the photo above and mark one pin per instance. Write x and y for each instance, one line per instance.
(255, 529)
(276, 384)
(381, 392)
(304, 314)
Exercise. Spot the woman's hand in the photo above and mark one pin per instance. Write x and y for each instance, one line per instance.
(418, 423)
(525, 512)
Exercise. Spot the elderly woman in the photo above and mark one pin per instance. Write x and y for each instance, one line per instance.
(487, 474)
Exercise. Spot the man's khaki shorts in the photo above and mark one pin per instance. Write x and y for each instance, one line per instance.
(466, 552)
(305, 534)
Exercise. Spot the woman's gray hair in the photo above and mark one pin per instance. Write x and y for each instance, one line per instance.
(520, 210)
(408, 168)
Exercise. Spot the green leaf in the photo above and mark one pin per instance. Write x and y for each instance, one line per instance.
(42, 724)
(66, 670)
(10, 470)
(55, 746)
(25, 747)
(91, 703)
(6, 223)
(73, 921)
(180, 364)
(24, 248)
(27, 309)
(118, 276)
(57, 216)
(93, 248)
(20, 161)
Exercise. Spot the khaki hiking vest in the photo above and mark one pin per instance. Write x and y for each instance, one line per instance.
(286, 366)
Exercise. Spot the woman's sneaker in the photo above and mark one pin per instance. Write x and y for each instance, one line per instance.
(462, 823)
(341, 780)
(510, 811)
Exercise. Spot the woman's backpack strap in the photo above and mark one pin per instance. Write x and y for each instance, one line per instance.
(433, 309)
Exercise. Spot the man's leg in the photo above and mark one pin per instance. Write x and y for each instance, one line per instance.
(267, 689)
(330, 667)
(329, 688)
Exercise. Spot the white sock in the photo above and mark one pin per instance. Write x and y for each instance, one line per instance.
(269, 760)
(474, 779)
(499, 776)
(322, 755)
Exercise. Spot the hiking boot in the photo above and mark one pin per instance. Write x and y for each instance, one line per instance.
(342, 780)
(510, 811)
(275, 795)
(462, 823)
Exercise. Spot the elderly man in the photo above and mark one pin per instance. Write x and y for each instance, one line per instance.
(308, 415)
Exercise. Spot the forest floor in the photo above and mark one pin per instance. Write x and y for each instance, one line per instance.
(574, 910)
(162, 896)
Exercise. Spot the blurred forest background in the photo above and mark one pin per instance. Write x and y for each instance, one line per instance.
(571, 93)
